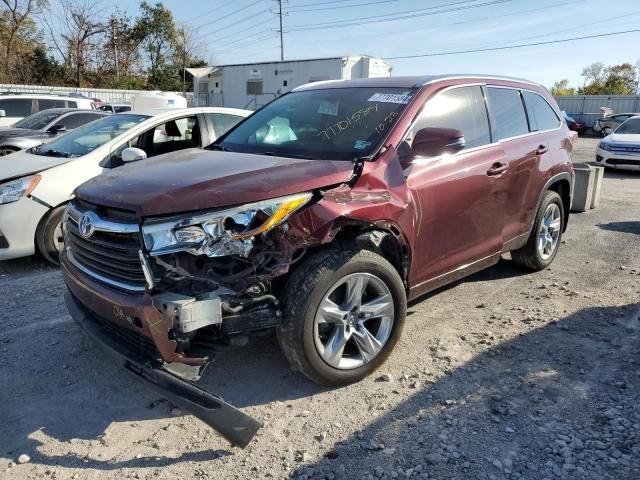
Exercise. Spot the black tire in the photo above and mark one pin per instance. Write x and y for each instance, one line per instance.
(529, 256)
(8, 150)
(303, 293)
(46, 233)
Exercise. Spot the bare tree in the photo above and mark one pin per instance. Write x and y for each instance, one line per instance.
(79, 30)
(20, 12)
(189, 46)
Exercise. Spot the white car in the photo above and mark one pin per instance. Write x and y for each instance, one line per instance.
(36, 184)
(621, 149)
(15, 106)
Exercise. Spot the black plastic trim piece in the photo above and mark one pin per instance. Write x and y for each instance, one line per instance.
(235, 426)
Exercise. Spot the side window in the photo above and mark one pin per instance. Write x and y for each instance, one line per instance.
(171, 136)
(508, 112)
(222, 122)
(71, 104)
(47, 103)
(16, 107)
(461, 109)
(75, 120)
(541, 115)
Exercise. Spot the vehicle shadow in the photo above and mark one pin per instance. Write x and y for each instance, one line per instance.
(623, 227)
(504, 411)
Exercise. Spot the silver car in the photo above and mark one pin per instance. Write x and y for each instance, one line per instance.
(43, 127)
(606, 125)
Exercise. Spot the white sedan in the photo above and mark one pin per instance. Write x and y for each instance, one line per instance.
(621, 149)
(36, 184)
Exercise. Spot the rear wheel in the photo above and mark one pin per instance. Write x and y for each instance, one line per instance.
(543, 243)
(343, 314)
(8, 150)
(49, 235)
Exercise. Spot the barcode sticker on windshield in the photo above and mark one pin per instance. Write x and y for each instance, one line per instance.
(390, 98)
(328, 108)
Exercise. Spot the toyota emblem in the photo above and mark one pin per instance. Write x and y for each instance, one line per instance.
(87, 224)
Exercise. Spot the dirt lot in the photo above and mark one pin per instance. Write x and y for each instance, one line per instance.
(505, 375)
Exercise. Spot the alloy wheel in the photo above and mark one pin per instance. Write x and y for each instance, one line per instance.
(549, 231)
(354, 321)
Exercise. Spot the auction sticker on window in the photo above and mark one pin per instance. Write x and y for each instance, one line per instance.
(391, 98)
(328, 108)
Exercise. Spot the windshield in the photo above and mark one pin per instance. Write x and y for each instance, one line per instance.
(329, 124)
(87, 138)
(38, 120)
(631, 126)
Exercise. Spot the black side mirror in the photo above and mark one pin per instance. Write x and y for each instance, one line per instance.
(431, 142)
(57, 128)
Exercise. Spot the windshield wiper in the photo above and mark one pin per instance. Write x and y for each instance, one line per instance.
(55, 153)
(217, 146)
(290, 155)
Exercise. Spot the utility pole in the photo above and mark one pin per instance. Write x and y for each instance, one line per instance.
(114, 39)
(280, 14)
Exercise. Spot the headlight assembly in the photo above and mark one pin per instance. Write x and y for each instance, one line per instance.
(605, 146)
(222, 232)
(16, 189)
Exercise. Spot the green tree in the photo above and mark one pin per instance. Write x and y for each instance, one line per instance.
(562, 88)
(612, 80)
(157, 29)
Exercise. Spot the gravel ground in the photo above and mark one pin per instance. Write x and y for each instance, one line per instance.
(507, 374)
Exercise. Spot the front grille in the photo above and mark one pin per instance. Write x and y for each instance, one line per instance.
(111, 253)
(135, 341)
(623, 161)
(625, 148)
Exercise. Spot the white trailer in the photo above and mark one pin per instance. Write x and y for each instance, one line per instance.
(252, 85)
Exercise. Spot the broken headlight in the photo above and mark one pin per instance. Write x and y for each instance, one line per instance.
(222, 232)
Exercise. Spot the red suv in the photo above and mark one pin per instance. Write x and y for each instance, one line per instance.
(318, 216)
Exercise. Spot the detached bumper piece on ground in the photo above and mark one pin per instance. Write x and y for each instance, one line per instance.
(235, 426)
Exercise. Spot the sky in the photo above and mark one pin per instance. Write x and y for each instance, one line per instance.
(245, 31)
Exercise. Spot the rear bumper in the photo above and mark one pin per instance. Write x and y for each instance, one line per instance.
(234, 425)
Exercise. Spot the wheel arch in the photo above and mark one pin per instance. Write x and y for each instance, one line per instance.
(384, 238)
(562, 185)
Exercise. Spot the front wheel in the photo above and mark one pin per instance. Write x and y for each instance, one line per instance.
(544, 240)
(49, 235)
(343, 314)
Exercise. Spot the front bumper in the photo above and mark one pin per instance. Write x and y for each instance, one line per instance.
(136, 334)
(621, 161)
(235, 426)
(18, 223)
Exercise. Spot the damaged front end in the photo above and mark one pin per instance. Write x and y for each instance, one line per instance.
(211, 273)
(166, 293)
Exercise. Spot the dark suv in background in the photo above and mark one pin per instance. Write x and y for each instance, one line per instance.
(320, 215)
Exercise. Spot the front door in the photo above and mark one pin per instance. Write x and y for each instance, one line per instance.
(460, 198)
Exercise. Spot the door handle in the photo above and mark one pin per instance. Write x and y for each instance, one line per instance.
(497, 168)
(542, 149)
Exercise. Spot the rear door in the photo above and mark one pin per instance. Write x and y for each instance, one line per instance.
(512, 130)
(460, 197)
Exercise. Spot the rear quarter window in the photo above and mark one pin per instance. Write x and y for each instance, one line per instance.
(16, 107)
(541, 116)
(508, 112)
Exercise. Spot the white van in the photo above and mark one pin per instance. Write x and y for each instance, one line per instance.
(16, 106)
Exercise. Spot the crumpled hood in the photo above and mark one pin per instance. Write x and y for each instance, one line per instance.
(22, 163)
(197, 179)
(18, 132)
